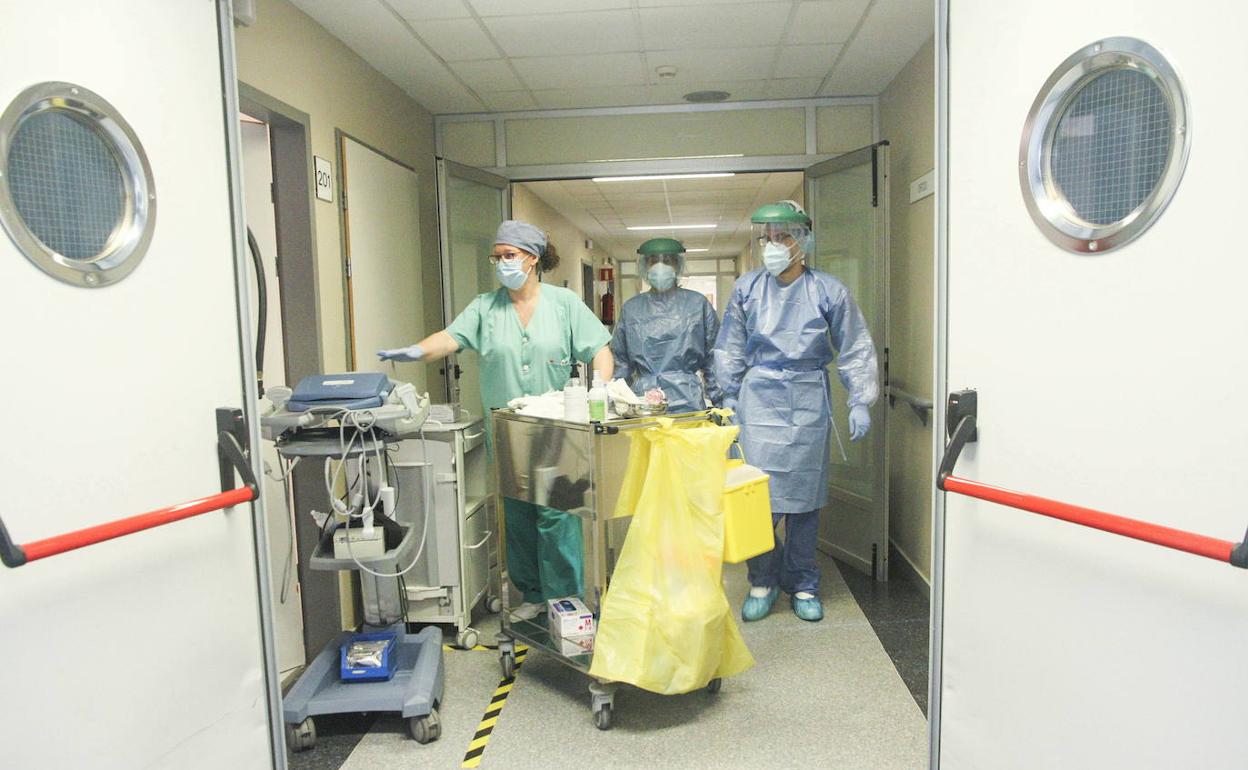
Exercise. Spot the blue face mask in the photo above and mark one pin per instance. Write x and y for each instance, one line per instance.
(511, 273)
(662, 277)
(776, 258)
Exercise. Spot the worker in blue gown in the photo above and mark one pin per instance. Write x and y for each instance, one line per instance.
(665, 335)
(783, 326)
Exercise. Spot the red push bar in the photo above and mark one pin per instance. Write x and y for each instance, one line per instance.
(962, 412)
(231, 458)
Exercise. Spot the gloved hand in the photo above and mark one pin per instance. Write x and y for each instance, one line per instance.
(410, 353)
(731, 403)
(859, 422)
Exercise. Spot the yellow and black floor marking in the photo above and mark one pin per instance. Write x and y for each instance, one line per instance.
(476, 747)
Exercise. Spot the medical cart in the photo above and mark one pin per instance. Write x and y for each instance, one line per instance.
(578, 468)
(456, 571)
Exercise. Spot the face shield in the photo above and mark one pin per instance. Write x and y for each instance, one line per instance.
(674, 261)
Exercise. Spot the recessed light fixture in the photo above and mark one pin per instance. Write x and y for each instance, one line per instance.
(648, 177)
(695, 251)
(702, 97)
(673, 227)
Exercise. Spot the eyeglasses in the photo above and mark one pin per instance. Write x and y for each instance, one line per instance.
(786, 238)
(667, 259)
(496, 258)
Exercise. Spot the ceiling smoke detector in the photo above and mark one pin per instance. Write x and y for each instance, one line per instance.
(702, 97)
(665, 72)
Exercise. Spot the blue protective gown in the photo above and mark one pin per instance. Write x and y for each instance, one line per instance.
(663, 340)
(770, 360)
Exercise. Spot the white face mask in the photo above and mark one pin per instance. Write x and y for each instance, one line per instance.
(776, 258)
(511, 273)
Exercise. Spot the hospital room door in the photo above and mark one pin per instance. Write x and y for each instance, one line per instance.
(1106, 372)
(381, 237)
(471, 203)
(847, 198)
(121, 258)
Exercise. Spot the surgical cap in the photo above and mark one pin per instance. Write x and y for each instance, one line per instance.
(522, 235)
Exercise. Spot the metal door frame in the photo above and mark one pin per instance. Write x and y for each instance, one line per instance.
(446, 169)
(872, 153)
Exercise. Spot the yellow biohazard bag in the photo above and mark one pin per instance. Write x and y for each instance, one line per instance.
(666, 625)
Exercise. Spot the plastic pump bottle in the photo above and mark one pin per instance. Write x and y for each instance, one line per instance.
(575, 397)
(598, 400)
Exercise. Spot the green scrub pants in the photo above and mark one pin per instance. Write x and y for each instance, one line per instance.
(544, 551)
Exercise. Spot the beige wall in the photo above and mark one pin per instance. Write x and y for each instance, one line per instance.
(291, 58)
(907, 120)
(569, 241)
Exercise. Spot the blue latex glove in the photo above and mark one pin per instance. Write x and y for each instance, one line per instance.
(410, 353)
(859, 422)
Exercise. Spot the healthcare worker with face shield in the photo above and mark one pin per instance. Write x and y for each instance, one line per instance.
(783, 326)
(665, 335)
(528, 335)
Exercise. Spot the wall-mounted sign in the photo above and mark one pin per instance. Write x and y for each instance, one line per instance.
(324, 178)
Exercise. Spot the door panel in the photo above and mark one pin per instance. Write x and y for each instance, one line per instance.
(848, 203)
(1063, 646)
(473, 203)
(145, 650)
(381, 198)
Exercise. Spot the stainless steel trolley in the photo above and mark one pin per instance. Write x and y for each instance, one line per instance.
(578, 468)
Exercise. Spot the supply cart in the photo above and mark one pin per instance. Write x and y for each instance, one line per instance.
(578, 468)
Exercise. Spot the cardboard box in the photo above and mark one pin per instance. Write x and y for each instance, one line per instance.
(569, 617)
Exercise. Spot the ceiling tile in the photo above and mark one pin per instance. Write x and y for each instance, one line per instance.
(604, 96)
(527, 7)
(794, 88)
(827, 21)
(673, 93)
(712, 64)
(457, 39)
(490, 75)
(581, 72)
(421, 10)
(755, 24)
(508, 101)
(892, 34)
(806, 61)
(569, 33)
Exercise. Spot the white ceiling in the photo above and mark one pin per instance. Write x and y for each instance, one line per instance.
(456, 56)
(605, 210)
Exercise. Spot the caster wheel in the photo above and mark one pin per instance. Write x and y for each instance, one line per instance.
(602, 718)
(494, 604)
(713, 686)
(302, 736)
(425, 729)
(508, 661)
(467, 639)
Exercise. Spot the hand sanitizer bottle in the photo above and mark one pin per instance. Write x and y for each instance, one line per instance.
(598, 400)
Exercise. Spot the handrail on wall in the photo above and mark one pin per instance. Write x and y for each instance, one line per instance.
(962, 416)
(922, 406)
(231, 437)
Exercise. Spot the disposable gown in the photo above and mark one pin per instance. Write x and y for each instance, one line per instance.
(663, 340)
(770, 360)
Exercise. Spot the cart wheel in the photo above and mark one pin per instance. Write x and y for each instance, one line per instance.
(494, 604)
(602, 717)
(713, 686)
(467, 639)
(302, 736)
(425, 729)
(508, 661)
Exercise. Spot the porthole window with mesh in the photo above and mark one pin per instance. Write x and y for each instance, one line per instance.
(76, 191)
(1104, 146)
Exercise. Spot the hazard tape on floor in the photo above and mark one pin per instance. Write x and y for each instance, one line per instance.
(476, 747)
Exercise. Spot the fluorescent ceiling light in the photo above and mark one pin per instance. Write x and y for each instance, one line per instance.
(673, 227)
(695, 251)
(648, 177)
(670, 157)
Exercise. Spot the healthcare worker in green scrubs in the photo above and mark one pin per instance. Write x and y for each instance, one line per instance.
(528, 335)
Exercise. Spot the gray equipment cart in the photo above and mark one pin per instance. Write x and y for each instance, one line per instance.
(578, 468)
(415, 691)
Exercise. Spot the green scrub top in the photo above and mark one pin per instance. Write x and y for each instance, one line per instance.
(527, 361)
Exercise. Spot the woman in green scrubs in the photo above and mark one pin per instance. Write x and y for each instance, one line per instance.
(528, 335)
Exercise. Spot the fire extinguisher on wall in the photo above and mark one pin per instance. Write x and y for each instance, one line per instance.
(606, 274)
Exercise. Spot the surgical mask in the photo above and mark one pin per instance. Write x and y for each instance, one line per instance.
(776, 257)
(661, 276)
(510, 273)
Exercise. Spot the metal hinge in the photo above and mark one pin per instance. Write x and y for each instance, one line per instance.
(348, 264)
(886, 373)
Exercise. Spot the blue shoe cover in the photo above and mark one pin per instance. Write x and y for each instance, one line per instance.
(756, 608)
(808, 609)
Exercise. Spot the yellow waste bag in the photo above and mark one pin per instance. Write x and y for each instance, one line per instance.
(666, 625)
